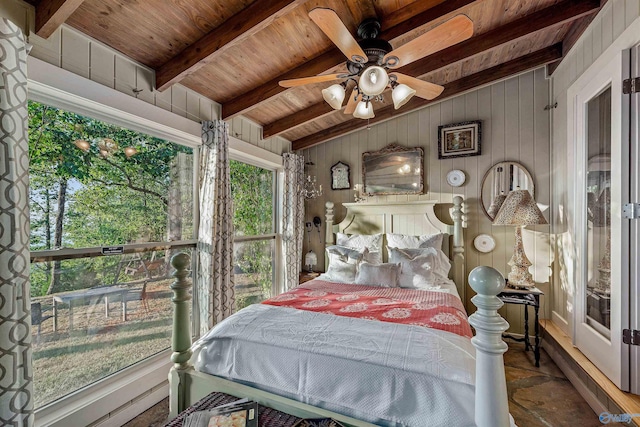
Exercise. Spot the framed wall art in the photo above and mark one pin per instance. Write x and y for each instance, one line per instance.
(340, 177)
(393, 170)
(459, 139)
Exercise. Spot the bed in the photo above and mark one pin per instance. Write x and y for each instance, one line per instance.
(363, 355)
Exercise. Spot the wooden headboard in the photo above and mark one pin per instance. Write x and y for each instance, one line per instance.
(413, 218)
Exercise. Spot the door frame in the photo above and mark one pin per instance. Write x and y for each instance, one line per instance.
(610, 67)
(634, 226)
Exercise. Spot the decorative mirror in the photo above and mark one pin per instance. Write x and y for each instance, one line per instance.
(393, 170)
(499, 180)
(340, 179)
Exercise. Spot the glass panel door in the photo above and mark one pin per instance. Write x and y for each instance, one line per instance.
(598, 127)
(598, 194)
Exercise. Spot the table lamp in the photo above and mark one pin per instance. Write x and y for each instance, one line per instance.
(519, 209)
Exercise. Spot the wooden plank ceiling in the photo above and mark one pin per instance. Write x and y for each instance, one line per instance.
(236, 51)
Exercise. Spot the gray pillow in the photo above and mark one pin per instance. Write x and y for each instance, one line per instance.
(343, 264)
(385, 275)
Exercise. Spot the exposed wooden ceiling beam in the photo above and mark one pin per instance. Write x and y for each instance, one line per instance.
(572, 36)
(545, 18)
(50, 14)
(255, 17)
(560, 13)
(332, 58)
(515, 66)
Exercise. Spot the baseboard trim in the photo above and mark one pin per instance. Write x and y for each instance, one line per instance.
(575, 380)
(615, 401)
(129, 412)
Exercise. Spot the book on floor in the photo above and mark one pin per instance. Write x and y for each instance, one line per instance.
(241, 413)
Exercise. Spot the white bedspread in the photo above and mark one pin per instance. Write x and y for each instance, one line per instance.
(385, 373)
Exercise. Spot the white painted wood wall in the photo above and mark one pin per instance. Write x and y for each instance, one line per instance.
(71, 50)
(610, 22)
(515, 127)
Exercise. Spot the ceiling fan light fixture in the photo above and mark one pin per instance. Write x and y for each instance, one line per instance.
(364, 110)
(401, 94)
(334, 95)
(373, 80)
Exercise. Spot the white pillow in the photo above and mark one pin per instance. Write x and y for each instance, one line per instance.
(406, 241)
(385, 275)
(372, 242)
(343, 264)
(418, 267)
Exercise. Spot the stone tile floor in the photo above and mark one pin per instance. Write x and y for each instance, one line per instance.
(538, 397)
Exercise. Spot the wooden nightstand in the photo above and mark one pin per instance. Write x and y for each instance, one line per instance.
(306, 276)
(526, 297)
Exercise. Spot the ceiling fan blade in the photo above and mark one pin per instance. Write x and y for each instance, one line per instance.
(351, 103)
(455, 30)
(308, 80)
(333, 27)
(423, 89)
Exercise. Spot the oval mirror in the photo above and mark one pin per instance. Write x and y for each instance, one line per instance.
(498, 181)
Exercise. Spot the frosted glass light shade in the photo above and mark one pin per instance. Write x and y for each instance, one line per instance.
(373, 80)
(130, 151)
(364, 110)
(401, 95)
(82, 144)
(334, 95)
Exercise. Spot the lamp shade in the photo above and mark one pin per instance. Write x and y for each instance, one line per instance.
(334, 95)
(373, 80)
(364, 110)
(401, 94)
(519, 208)
(496, 204)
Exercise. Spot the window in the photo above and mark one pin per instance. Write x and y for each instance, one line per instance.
(253, 190)
(100, 189)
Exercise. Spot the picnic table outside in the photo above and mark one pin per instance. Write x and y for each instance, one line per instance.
(87, 295)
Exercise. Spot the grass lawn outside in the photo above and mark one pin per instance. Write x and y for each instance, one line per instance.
(65, 361)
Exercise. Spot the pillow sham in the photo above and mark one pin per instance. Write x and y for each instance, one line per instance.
(343, 264)
(372, 242)
(418, 267)
(406, 241)
(385, 275)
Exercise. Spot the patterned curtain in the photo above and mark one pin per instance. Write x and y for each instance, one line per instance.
(215, 282)
(293, 217)
(16, 387)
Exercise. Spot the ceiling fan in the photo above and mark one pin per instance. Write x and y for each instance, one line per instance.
(371, 62)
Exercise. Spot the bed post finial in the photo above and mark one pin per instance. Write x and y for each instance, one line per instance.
(491, 405)
(457, 252)
(328, 222)
(181, 334)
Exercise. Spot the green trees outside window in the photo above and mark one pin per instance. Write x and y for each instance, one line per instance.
(252, 190)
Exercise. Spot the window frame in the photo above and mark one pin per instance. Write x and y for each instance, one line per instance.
(60, 88)
(276, 168)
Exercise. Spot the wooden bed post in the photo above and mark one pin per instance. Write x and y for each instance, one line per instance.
(181, 336)
(492, 406)
(457, 253)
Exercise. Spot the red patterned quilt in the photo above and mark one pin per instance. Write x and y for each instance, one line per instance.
(438, 310)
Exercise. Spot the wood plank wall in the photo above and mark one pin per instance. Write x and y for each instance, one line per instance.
(610, 22)
(515, 127)
(73, 51)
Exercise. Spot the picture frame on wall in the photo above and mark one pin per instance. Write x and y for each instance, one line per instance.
(459, 139)
(340, 176)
